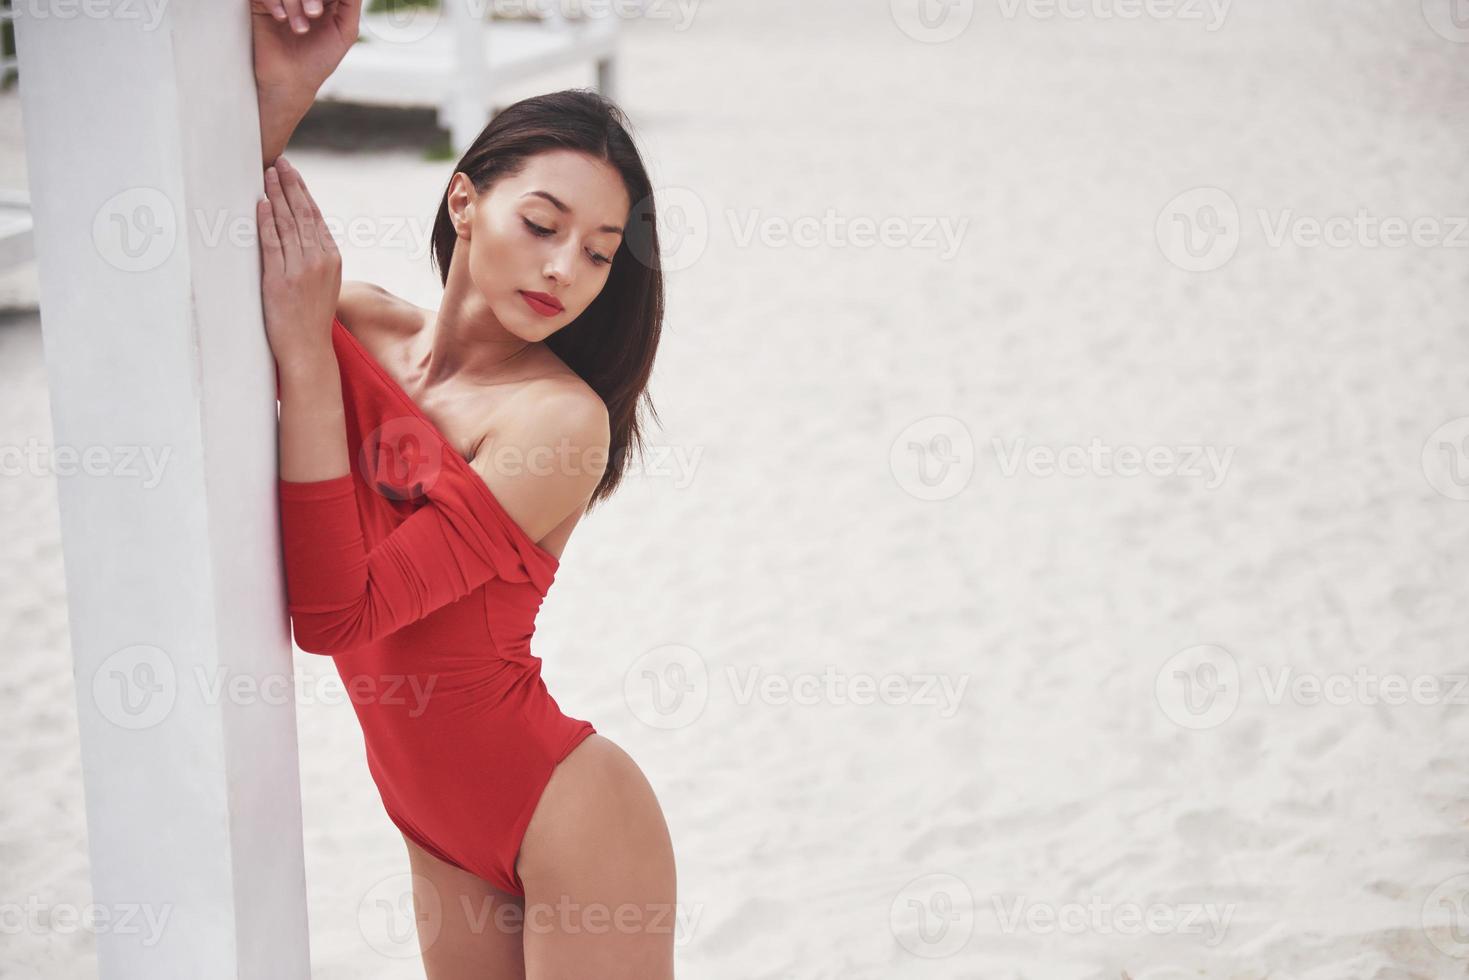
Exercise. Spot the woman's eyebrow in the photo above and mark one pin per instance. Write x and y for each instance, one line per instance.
(566, 210)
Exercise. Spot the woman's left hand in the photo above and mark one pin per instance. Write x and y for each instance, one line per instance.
(301, 269)
(297, 62)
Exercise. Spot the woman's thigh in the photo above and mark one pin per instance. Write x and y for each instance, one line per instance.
(467, 928)
(597, 865)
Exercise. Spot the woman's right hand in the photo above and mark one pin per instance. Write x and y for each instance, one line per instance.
(290, 59)
(300, 271)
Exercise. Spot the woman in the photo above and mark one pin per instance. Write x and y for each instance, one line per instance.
(422, 526)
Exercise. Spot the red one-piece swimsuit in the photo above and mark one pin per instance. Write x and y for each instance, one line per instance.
(413, 578)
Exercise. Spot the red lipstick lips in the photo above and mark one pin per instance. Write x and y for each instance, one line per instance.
(542, 303)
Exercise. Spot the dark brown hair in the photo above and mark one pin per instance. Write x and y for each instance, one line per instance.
(611, 346)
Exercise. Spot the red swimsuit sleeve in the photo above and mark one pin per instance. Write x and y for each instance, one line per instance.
(341, 595)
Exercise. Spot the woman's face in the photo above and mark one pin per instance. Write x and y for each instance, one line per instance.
(540, 243)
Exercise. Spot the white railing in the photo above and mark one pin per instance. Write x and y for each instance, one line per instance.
(457, 60)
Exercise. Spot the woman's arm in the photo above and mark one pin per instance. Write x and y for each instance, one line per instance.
(281, 110)
(301, 278)
(295, 50)
(340, 594)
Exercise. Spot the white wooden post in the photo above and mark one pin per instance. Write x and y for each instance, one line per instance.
(143, 146)
(466, 110)
(607, 77)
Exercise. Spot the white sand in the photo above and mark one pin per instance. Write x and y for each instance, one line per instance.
(1320, 830)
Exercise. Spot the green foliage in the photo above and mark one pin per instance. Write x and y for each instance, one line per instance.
(442, 149)
(391, 6)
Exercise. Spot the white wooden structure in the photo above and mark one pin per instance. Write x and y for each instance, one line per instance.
(16, 247)
(16, 240)
(143, 151)
(456, 60)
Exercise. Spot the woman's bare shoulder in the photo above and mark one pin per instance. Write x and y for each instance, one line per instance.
(562, 411)
(367, 309)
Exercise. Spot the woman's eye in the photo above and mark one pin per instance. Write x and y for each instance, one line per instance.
(543, 232)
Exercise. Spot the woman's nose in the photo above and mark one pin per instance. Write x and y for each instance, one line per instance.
(565, 258)
(559, 268)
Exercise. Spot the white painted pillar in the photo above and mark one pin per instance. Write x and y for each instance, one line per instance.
(467, 109)
(143, 145)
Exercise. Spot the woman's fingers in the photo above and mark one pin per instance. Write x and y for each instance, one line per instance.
(272, 261)
(298, 11)
(285, 224)
(275, 8)
(304, 232)
(296, 197)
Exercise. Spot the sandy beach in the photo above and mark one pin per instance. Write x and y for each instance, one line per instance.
(1054, 517)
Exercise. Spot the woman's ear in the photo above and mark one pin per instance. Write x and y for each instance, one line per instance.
(461, 203)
